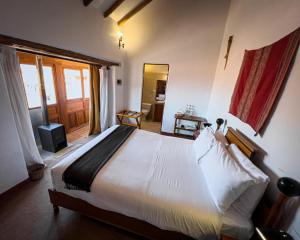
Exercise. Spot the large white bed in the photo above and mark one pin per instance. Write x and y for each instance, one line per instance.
(156, 179)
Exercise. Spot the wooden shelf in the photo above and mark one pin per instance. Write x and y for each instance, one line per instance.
(190, 118)
(186, 129)
(194, 119)
(184, 135)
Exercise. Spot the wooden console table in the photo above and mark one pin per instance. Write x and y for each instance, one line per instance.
(125, 116)
(178, 126)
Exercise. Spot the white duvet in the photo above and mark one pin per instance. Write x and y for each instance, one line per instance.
(152, 178)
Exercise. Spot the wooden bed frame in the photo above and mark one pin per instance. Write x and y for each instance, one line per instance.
(133, 225)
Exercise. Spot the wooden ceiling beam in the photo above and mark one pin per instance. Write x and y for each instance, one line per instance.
(45, 50)
(86, 2)
(134, 11)
(112, 8)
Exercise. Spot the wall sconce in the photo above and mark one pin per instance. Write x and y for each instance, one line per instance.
(120, 37)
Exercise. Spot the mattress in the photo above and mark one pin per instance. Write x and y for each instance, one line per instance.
(156, 179)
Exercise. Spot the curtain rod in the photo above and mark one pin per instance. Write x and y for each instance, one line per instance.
(45, 50)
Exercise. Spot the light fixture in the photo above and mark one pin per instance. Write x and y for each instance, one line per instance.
(120, 37)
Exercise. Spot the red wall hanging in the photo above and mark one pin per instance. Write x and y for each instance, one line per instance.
(261, 76)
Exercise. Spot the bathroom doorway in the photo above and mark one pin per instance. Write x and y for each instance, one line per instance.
(153, 96)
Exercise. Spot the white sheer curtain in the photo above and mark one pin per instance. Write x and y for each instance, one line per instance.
(10, 68)
(112, 96)
(104, 99)
(107, 97)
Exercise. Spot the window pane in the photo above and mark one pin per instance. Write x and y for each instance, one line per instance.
(49, 85)
(86, 81)
(73, 83)
(31, 84)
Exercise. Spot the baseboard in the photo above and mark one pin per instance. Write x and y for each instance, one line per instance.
(167, 133)
(13, 189)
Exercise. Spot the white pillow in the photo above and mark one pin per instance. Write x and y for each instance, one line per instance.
(204, 142)
(225, 178)
(247, 202)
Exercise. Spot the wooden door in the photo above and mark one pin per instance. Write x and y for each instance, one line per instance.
(66, 104)
(76, 100)
(158, 112)
(31, 85)
(160, 87)
(53, 105)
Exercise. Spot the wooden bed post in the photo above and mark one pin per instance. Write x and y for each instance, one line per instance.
(52, 200)
(55, 209)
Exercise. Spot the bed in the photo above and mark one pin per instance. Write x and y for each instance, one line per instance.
(153, 186)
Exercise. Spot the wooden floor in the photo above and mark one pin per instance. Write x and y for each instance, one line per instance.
(151, 126)
(26, 214)
(80, 133)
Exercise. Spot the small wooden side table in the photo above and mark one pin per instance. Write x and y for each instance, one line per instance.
(178, 126)
(125, 115)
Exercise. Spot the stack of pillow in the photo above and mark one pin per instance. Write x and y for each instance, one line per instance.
(232, 179)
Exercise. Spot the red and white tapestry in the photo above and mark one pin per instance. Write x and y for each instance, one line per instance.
(261, 76)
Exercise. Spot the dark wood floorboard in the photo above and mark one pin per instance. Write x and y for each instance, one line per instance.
(27, 215)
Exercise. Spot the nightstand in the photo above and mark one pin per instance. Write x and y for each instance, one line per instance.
(178, 126)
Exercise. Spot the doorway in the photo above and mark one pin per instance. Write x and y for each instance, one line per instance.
(67, 92)
(153, 96)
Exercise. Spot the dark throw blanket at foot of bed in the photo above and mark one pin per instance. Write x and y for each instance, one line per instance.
(81, 173)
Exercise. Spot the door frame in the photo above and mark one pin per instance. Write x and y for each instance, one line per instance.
(143, 82)
(58, 66)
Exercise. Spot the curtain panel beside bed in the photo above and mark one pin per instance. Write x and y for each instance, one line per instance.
(94, 100)
(10, 73)
(104, 98)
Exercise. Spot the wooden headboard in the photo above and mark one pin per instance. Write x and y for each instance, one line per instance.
(235, 137)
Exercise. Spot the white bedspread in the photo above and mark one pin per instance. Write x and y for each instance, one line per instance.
(152, 178)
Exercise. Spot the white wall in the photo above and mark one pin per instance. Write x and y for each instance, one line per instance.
(65, 24)
(119, 89)
(184, 34)
(12, 164)
(255, 24)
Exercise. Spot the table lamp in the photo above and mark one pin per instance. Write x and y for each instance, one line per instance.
(288, 187)
(219, 122)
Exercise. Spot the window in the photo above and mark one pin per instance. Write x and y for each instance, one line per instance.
(32, 85)
(49, 85)
(73, 83)
(86, 82)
